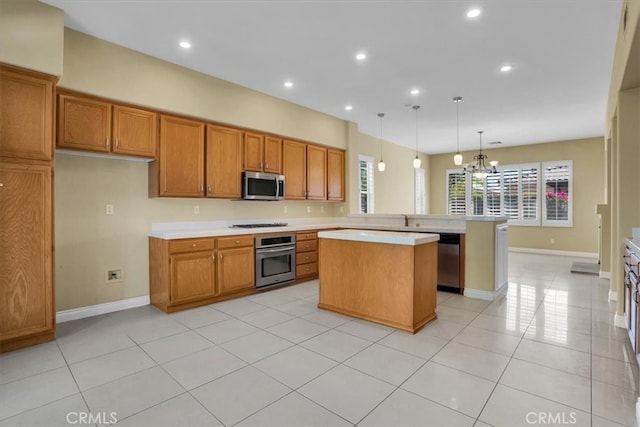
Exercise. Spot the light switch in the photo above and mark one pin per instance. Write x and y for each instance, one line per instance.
(196, 210)
(108, 209)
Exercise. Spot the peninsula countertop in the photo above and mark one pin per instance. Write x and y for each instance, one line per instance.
(376, 236)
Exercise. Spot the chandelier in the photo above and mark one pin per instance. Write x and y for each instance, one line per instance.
(457, 159)
(381, 165)
(416, 161)
(478, 167)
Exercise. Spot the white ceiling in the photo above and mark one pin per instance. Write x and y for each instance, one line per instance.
(561, 52)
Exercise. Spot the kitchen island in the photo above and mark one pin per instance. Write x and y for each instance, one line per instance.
(382, 276)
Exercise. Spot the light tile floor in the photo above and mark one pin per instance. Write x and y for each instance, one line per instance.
(546, 353)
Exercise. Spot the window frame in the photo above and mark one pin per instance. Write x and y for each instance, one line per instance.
(370, 185)
(540, 190)
(556, 222)
(420, 197)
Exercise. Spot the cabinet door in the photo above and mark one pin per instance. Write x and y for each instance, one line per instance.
(84, 124)
(26, 114)
(253, 151)
(135, 131)
(236, 269)
(272, 154)
(294, 165)
(193, 276)
(316, 173)
(181, 157)
(335, 175)
(224, 162)
(26, 268)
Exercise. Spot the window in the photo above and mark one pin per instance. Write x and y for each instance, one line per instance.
(366, 184)
(456, 192)
(557, 200)
(420, 191)
(517, 193)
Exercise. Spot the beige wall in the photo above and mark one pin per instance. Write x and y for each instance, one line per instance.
(31, 35)
(394, 189)
(588, 189)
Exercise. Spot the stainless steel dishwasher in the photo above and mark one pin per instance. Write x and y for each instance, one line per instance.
(449, 262)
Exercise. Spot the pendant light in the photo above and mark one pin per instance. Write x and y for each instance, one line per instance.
(478, 168)
(381, 165)
(457, 159)
(416, 161)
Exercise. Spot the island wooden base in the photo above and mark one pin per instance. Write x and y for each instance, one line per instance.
(394, 285)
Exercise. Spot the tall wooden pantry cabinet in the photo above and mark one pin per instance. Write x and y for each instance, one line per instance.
(27, 313)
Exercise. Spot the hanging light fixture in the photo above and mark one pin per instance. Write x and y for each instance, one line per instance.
(416, 161)
(457, 159)
(381, 165)
(478, 168)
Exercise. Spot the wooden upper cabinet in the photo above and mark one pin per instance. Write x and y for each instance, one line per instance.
(179, 170)
(272, 154)
(316, 173)
(135, 131)
(26, 268)
(253, 151)
(262, 153)
(223, 162)
(294, 166)
(26, 114)
(84, 123)
(92, 124)
(335, 175)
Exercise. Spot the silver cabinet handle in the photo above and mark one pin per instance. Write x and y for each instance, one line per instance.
(117, 143)
(201, 188)
(221, 256)
(106, 144)
(209, 189)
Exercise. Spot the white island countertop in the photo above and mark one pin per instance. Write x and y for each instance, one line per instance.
(375, 236)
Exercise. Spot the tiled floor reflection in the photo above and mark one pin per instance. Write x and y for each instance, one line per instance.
(546, 353)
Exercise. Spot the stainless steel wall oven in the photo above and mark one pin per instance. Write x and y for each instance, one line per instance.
(275, 259)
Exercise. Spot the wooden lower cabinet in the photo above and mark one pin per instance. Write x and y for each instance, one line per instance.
(186, 273)
(27, 314)
(192, 276)
(306, 254)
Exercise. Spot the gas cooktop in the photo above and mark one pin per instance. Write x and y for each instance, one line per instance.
(273, 224)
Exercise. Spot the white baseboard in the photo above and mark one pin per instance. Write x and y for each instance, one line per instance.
(604, 274)
(94, 310)
(554, 252)
(486, 295)
(620, 321)
(613, 295)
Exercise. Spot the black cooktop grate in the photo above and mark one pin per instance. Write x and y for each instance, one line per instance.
(274, 224)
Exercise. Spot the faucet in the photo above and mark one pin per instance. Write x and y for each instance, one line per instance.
(406, 220)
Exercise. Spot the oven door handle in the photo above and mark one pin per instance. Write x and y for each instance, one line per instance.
(272, 251)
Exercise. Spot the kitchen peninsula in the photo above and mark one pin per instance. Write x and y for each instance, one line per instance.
(382, 276)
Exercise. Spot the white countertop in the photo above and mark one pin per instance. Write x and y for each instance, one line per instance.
(375, 236)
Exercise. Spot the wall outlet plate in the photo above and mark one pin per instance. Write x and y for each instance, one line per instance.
(114, 275)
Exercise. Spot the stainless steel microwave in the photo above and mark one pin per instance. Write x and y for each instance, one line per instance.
(262, 186)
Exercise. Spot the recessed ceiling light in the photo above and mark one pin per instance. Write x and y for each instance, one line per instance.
(473, 13)
(288, 84)
(361, 56)
(506, 68)
(415, 91)
(185, 44)
(348, 107)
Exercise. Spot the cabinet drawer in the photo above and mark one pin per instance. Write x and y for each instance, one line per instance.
(306, 257)
(307, 269)
(306, 245)
(191, 245)
(307, 235)
(235, 242)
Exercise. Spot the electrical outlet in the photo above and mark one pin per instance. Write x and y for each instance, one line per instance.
(114, 275)
(285, 209)
(553, 241)
(196, 210)
(108, 209)
(341, 209)
(321, 209)
(308, 209)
